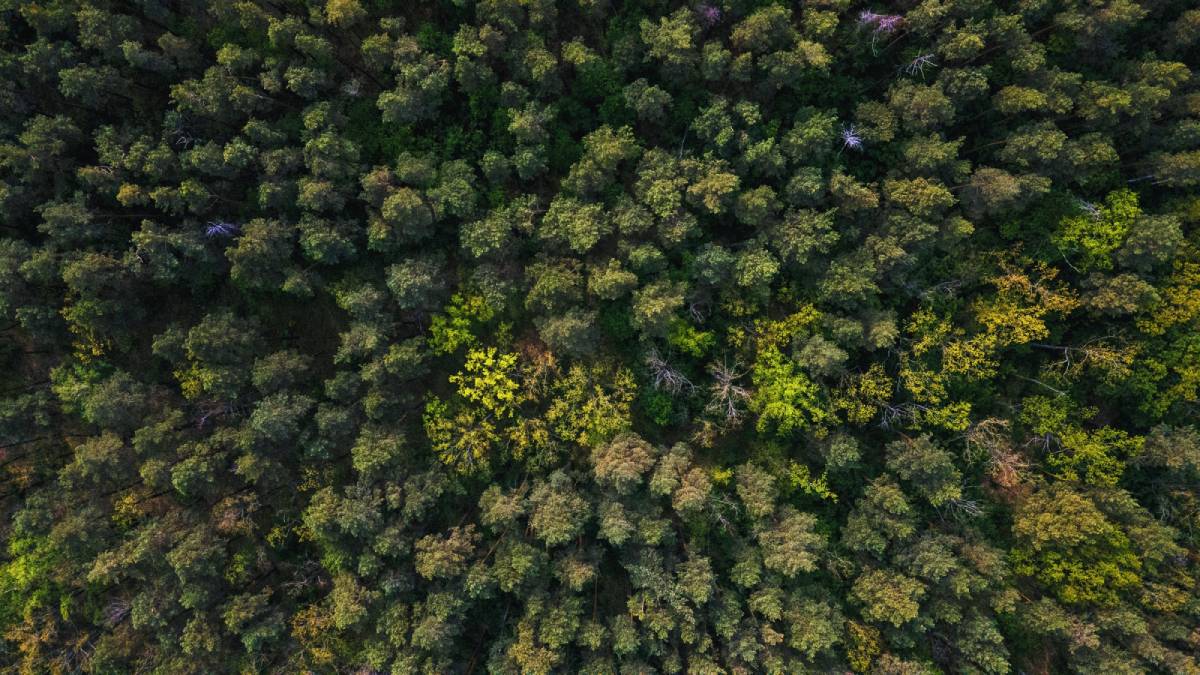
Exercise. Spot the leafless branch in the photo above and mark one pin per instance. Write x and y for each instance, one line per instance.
(665, 377)
(728, 397)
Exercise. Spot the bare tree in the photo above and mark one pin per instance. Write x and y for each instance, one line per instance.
(728, 397)
(116, 611)
(990, 440)
(900, 414)
(665, 377)
(962, 509)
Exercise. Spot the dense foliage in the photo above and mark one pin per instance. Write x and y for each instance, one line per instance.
(600, 336)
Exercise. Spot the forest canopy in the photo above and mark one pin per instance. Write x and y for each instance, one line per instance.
(599, 336)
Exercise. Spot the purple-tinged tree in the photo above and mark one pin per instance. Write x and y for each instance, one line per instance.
(917, 65)
(219, 229)
(880, 23)
(851, 139)
(710, 15)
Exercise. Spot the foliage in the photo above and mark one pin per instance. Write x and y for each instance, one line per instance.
(521, 336)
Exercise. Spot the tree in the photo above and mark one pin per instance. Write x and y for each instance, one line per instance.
(756, 488)
(445, 557)
(920, 107)
(756, 207)
(655, 305)
(611, 281)
(888, 597)
(375, 450)
(416, 283)
(1071, 548)
(791, 546)
(604, 150)
(673, 42)
(214, 357)
(800, 233)
(421, 81)
(928, 467)
(648, 101)
(577, 225)
(573, 333)
(622, 462)
(558, 512)
(486, 379)
(712, 186)
(883, 515)
(1096, 232)
(785, 399)
(493, 235)
(260, 259)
